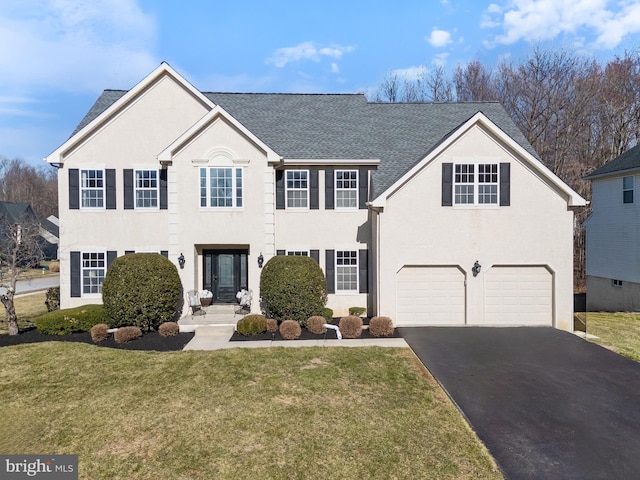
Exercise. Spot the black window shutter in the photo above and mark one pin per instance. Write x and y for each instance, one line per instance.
(329, 189)
(505, 184)
(110, 178)
(280, 189)
(315, 254)
(76, 286)
(127, 182)
(313, 189)
(330, 270)
(164, 175)
(74, 189)
(447, 184)
(363, 270)
(111, 256)
(127, 252)
(280, 252)
(164, 253)
(363, 188)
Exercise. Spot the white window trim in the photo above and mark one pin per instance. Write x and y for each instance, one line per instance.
(335, 189)
(632, 190)
(476, 186)
(136, 189)
(234, 173)
(83, 268)
(357, 267)
(104, 189)
(287, 189)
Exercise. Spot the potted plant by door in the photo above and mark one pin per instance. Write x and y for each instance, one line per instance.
(206, 297)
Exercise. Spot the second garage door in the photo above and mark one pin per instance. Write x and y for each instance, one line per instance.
(430, 296)
(518, 295)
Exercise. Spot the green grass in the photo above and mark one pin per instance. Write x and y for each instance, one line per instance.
(309, 413)
(28, 308)
(618, 331)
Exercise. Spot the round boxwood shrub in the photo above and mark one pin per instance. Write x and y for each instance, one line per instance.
(290, 330)
(99, 332)
(315, 324)
(169, 329)
(253, 324)
(381, 326)
(126, 334)
(350, 326)
(293, 288)
(142, 289)
(272, 325)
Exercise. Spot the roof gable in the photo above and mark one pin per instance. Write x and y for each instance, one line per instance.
(627, 162)
(14, 212)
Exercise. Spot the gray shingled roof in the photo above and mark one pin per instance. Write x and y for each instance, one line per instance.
(346, 126)
(14, 212)
(629, 160)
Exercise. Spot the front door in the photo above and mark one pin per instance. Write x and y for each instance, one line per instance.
(224, 273)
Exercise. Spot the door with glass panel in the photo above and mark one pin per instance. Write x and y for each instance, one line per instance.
(224, 273)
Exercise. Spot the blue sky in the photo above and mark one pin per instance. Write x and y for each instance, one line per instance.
(56, 56)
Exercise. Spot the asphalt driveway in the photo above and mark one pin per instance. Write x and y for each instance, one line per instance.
(547, 404)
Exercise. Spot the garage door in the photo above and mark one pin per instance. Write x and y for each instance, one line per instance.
(518, 296)
(430, 296)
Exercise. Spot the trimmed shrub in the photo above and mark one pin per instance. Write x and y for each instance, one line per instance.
(253, 324)
(315, 324)
(169, 329)
(126, 334)
(381, 326)
(293, 288)
(327, 313)
(99, 332)
(142, 289)
(357, 311)
(350, 326)
(52, 300)
(272, 325)
(54, 266)
(290, 330)
(71, 320)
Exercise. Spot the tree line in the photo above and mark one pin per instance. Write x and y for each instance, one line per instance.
(21, 182)
(577, 112)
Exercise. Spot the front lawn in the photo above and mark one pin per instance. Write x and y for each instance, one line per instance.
(618, 331)
(240, 413)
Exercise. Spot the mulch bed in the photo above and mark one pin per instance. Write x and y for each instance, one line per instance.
(148, 341)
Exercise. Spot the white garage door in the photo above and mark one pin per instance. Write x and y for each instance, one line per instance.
(430, 296)
(518, 296)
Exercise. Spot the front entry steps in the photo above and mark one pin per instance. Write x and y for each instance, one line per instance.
(216, 317)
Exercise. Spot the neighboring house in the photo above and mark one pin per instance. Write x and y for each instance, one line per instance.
(50, 230)
(613, 235)
(396, 202)
(12, 213)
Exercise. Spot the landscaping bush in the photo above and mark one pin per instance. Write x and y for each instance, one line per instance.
(272, 325)
(316, 323)
(327, 313)
(169, 329)
(253, 324)
(71, 320)
(290, 330)
(357, 311)
(52, 300)
(54, 266)
(350, 326)
(126, 334)
(99, 332)
(142, 289)
(293, 288)
(381, 326)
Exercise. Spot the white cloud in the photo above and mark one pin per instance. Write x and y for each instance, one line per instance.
(307, 51)
(439, 38)
(74, 44)
(410, 73)
(606, 22)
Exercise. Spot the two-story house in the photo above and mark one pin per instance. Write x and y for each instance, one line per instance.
(613, 235)
(430, 214)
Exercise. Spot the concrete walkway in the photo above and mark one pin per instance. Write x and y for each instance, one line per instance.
(217, 338)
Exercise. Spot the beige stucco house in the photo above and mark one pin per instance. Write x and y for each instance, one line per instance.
(396, 202)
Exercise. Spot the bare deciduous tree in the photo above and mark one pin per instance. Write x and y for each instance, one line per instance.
(24, 183)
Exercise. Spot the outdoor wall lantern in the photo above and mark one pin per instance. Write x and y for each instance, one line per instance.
(476, 268)
(181, 261)
(260, 260)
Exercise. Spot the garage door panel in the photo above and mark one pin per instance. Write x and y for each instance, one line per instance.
(430, 296)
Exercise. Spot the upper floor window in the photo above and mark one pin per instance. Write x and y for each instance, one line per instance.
(297, 188)
(627, 189)
(221, 187)
(94, 269)
(146, 188)
(476, 184)
(346, 271)
(298, 253)
(346, 188)
(92, 188)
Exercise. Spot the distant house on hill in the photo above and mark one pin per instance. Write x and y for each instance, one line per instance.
(12, 213)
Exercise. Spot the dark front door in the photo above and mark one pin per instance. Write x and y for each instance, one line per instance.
(225, 273)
